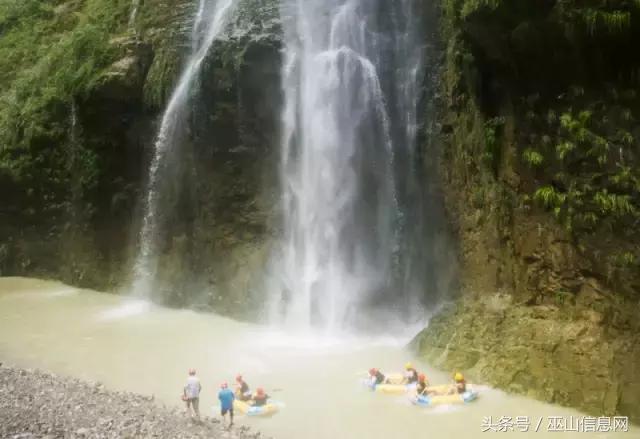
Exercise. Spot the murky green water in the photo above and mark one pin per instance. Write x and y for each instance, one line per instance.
(133, 346)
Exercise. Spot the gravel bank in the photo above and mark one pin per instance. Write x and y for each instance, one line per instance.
(35, 404)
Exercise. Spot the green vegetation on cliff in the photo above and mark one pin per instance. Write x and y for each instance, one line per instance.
(71, 115)
(554, 85)
(50, 54)
(541, 172)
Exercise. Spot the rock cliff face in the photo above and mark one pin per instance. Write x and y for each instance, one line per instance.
(78, 133)
(218, 235)
(72, 120)
(539, 169)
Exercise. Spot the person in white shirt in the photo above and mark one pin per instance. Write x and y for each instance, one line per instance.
(191, 394)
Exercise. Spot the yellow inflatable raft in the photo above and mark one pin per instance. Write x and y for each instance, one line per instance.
(393, 385)
(394, 378)
(434, 400)
(394, 389)
(246, 408)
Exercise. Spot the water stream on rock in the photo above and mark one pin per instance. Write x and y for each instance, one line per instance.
(91, 336)
(197, 26)
(209, 25)
(349, 189)
(135, 5)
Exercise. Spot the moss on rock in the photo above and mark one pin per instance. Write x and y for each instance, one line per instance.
(547, 244)
(568, 354)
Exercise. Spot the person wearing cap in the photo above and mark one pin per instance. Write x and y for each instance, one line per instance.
(226, 397)
(410, 374)
(243, 392)
(460, 384)
(260, 398)
(191, 394)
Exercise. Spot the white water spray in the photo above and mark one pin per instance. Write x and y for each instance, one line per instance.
(338, 162)
(211, 23)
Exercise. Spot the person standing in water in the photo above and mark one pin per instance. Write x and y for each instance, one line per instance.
(191, 394)
(226, 397)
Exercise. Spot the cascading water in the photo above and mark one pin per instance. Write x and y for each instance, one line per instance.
(196, 31)
(75, 160)
(349, 129)
(211, 20)
(135, 5)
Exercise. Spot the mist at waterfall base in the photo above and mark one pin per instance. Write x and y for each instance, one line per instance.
(361, 230)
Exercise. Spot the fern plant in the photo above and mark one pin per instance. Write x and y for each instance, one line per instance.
(613, 204)
(492, 152)
(611, 22)
(549, 197)
(596, 177)
(532, 158)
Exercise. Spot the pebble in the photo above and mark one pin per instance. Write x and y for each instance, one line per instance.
(48, 406)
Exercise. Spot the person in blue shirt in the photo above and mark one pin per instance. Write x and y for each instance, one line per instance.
(226, 398)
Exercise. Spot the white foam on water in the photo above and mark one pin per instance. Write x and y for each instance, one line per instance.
(128, 309)
(62, 292)
(49, 293)
(310, 342)
(441, 409)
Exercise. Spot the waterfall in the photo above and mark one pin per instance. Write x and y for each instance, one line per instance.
(74, 159)
(209, 24)
(349, 123)
(135, 5)
(197, 26)
(73, 120)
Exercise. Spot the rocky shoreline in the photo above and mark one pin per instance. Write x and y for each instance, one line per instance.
(35, 404)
